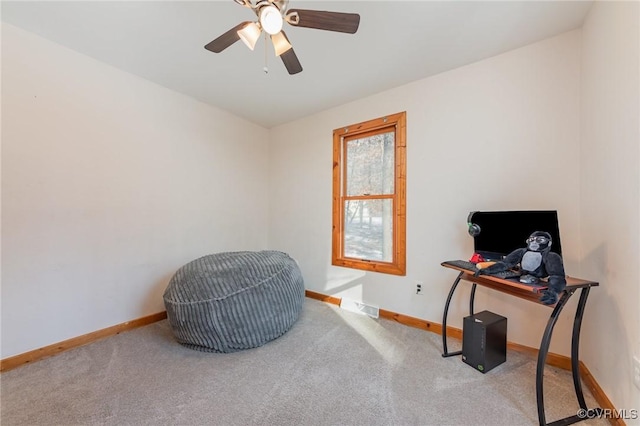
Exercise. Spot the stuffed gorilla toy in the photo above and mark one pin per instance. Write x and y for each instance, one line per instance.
(536, 261)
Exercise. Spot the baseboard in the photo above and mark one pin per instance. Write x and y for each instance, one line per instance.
(323, 297)
(47, 351)
(555, 360)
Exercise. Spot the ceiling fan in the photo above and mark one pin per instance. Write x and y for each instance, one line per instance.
(271, 16)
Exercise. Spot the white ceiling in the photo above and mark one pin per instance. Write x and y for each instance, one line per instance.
(397, 42)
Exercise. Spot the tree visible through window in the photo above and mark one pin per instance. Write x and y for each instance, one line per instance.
(369, 181)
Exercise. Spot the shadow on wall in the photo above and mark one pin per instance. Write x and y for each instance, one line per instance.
(154, 302)
(343, 280)
(595, 262)
(605, 326)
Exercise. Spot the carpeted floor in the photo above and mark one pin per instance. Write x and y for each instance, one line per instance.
(332, 368)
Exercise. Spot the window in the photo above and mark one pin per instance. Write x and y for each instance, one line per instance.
(369, 195)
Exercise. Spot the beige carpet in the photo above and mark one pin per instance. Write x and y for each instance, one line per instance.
(332, 368)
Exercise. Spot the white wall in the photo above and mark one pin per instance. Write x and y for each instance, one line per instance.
(109, 184)
(498, 134)
(610, 195)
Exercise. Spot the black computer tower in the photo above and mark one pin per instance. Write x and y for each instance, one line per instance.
(484, 340)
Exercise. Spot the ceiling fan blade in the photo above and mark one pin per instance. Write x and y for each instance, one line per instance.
(291, 61)
(322, 20)
(226, 39)
(245, 3)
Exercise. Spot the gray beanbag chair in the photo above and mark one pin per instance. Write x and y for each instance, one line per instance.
(230, 301)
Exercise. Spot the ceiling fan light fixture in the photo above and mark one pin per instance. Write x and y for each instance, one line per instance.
(280, 43)
(271, 19)
(250, 35)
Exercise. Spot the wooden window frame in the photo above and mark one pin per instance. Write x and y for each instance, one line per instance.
(398, 265)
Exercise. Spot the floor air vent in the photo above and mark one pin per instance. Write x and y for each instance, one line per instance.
(359, 308)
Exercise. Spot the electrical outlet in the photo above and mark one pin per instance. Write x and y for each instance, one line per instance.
(418, 287)
(636, 371)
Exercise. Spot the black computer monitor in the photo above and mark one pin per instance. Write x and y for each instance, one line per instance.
(501, 232)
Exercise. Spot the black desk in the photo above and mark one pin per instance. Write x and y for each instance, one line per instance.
(532, 294)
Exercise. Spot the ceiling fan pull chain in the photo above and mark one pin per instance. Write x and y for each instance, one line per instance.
(265, 69)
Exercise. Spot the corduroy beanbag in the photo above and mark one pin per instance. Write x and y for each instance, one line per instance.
(226, 302)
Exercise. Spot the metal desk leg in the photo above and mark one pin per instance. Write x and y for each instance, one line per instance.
(575, 345)
(472, 298)
(542, 354)
(446, 352)
(575, 361)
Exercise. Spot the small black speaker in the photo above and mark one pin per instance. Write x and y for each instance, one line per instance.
(484, 340)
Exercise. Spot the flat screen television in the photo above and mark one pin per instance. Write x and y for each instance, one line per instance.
(501, 232)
